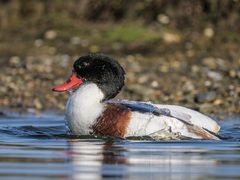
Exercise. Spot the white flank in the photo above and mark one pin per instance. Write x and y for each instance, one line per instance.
(195, 117)
(142, 124)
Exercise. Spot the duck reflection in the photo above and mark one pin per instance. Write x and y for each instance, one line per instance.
(91, 159)
(97, 160)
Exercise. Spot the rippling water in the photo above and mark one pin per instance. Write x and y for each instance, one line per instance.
(39, 148)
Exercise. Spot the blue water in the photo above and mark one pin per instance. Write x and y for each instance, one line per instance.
(38, 147)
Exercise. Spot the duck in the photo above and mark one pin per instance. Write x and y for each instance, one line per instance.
(91, 109)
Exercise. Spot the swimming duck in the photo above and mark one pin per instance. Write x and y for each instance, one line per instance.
(96, 79)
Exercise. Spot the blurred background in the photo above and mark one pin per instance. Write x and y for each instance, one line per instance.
(174, 52)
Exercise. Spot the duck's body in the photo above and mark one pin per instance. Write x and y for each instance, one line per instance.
(86, 114)
(88, 111)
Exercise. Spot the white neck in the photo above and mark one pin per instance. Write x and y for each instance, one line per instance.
(83, 108)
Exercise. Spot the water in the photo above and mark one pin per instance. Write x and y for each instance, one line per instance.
(38, 147)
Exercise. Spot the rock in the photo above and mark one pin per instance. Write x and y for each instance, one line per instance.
(15, 61)
(188, 86)
(222, 64)
(208, 32)
(38, 42)
(210, 62)
(195, 69)
(164, 68)
(218, 102)
(216, 76)
(3, 89)
(208, 83)
(75, 40)
(171, 38)
(142, 79)
(163, 19)
(130, 58)
(205, 97)
(50, 34)
(154, 84)
(232, 73)
(38, 105)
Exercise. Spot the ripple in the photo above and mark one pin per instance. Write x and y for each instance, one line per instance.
(40, 147)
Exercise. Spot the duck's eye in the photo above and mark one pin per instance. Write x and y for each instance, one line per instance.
(84, 64)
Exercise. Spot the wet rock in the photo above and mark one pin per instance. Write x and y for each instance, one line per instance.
(205, 97)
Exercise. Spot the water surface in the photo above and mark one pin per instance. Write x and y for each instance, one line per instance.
(38, 147)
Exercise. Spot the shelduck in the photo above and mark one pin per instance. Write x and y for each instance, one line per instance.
(96, 79)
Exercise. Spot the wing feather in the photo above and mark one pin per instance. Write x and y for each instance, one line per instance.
(169, 112)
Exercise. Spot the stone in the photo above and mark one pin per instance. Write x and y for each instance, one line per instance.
(205, 97)
(50, 34)
(171, 38)
(216, 76)
(38, 42)
(75, 40)
(208, 32)
(163, 19)
(15, 61)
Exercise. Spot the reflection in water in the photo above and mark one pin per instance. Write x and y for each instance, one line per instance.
(96, 160)
(86, 160)
(151, 160)
(32, 147)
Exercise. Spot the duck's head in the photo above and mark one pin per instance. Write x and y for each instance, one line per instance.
(99, 69)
